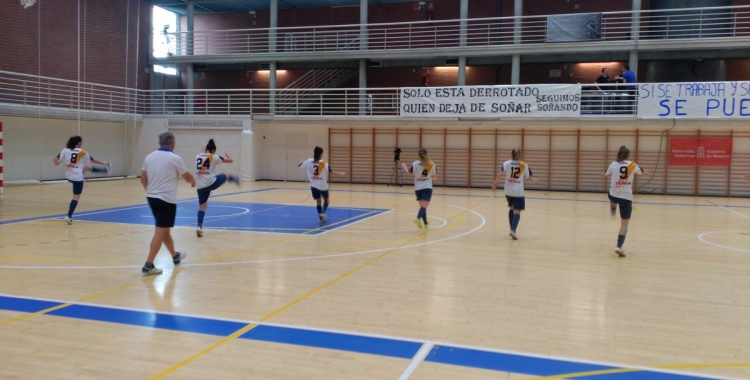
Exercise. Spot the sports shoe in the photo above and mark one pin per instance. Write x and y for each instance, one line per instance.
(109, 166)
(68, 219)
(323, 218)
(151, 271)
(199, 232)
(513, 235)
(419, 223)
(238, 181)
(426, 225)
(620, 252)
(177, 258)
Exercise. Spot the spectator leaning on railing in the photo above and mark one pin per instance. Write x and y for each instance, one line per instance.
(603, 79)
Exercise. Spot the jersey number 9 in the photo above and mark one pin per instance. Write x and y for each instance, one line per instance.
(623, 172)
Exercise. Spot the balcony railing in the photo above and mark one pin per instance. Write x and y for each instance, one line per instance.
(33, 92)
(669, 24)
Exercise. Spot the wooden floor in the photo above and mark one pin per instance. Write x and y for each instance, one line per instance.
(680, 300)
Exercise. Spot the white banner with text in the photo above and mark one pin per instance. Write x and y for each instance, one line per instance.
(694, 100)
(539, 100)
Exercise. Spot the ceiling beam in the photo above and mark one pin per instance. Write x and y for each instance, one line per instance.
(198, 5)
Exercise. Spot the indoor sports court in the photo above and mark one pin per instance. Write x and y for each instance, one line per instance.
(271, 290)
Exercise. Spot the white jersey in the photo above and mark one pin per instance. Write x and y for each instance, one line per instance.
(74, 160)
(515, 172)
(163, 169)
(205, 169)
(423, 174)
(621, 180)
(317, 173)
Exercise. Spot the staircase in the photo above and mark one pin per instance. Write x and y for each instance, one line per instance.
(305, 91)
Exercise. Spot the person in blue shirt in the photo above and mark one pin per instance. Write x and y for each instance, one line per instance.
(629, 77)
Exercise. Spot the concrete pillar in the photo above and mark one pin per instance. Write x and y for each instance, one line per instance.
(189, 49)
(274, 24)
(515, 69)
(462, 71)
(272, 87)
(363, 87)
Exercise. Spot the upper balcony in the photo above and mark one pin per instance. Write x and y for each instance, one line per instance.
(673, 29)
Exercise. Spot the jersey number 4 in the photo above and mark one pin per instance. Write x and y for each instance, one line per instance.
(205, 164)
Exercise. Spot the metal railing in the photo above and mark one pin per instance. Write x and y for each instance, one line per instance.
(34, 92)
(669, 24)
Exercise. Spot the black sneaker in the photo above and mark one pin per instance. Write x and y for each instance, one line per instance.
(177, 259)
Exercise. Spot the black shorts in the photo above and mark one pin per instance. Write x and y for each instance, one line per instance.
(424, 194)
(518, 203)
(164, 212)
(626, 206)
(317, 193)
(77, 187)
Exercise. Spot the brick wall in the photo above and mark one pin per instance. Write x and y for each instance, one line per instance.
(235, 79)
(738, 69)
(44, 40)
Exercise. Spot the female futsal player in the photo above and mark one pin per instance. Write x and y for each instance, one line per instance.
(207, 181)
(77, 161)
(515, 171)
(621, 191)
(317, 173)
(425, 175)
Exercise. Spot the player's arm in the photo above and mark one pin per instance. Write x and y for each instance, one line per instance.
(497, 179)
(530, 176)
(606, 172)
(405, 169)
(144, 179)
(227, 159)
(56, 160)
(643, 172)
(98, 162)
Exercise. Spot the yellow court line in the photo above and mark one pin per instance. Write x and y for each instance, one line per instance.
(298, 300)
(625, 370)
(636, 210)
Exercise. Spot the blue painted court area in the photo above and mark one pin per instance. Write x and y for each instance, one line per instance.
(475, 357)
(241, 216)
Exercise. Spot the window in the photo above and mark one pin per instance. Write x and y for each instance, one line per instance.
(164, 24)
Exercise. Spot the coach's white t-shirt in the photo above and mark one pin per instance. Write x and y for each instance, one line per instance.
(164, 169)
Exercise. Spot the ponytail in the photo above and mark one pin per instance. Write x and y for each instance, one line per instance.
(623, 153)
(73, 141)
(317, 153)
(211, 146)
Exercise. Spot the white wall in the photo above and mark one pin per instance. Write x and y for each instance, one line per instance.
(29, 143)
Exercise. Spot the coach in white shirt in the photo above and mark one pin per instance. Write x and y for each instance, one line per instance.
(159, 176)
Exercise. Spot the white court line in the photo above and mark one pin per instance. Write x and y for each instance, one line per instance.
(728, 209)
(418, 358)
(484, 221)
(700, 237)
(382, 336)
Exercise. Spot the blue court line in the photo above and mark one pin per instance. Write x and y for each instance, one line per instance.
(334, 341)
(25, 305)
(341, 341)
(507, 362)
(501, 197)
(83, 213)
